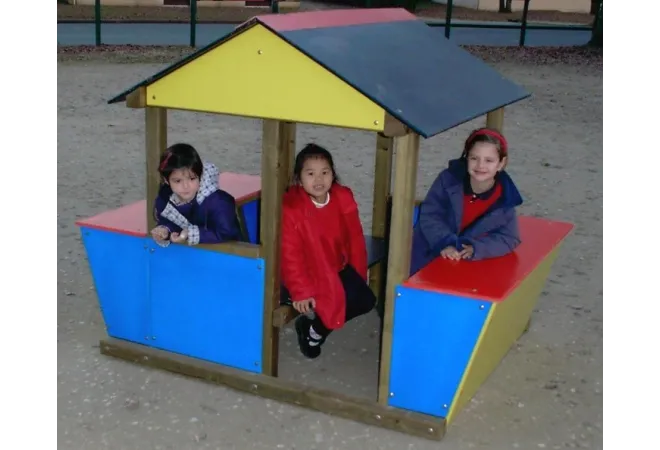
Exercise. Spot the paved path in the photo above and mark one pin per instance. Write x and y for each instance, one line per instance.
(179, 34)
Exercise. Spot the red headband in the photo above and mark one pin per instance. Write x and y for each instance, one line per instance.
(504, 146)
(164, 163)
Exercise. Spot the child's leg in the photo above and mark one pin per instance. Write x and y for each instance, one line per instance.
(360, 299)
(312, 332)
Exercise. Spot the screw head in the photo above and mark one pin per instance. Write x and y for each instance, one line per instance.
(391, 394)
(260, 52)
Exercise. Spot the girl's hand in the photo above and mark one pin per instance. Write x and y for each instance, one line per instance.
(467, 252)
(179, 238)
(450, 253)
(160, 233)
(304, 306)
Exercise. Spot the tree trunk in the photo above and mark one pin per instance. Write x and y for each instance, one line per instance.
(599, 34)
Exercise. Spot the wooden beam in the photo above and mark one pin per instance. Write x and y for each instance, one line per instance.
(233, 248)
(137, 98)
(335, 403)
(382, 183)
(287, 140)
(495, 119)
(273, 173)
(405, 179)
(156, 144)
(283, 315)
(288, 143)
(393, 127)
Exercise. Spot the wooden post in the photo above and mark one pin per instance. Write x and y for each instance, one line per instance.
(382, 182)
(274, 160)
(495, 119)
(156, 143)
(403, 199)
(288, 143)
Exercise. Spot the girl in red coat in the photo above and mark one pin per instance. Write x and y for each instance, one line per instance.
(324, 256)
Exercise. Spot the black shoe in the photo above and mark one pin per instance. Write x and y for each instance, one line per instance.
(302, 329)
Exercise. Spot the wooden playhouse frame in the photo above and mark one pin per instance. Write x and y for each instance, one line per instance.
(331, 90)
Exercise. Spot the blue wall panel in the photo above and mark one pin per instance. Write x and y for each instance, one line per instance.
(433, 338)
(208, 305)
(251, 215)
(119, 267)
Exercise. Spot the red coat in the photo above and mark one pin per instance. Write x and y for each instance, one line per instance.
(316, 245)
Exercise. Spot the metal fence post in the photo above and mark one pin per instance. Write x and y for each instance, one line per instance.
(450, 5)
(97, 21)
(193, 23)
(523, 26)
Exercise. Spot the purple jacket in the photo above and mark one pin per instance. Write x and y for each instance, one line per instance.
(493, 234)
(210, 217)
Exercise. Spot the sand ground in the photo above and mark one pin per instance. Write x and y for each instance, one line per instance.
(546, 394)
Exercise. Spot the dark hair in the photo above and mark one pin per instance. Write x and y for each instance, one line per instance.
(489, 135)
(313, 151)
(180, 156)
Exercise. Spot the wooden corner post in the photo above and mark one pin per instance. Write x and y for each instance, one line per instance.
(155, 144)
(288, 142)
(403, 199)
(276, 147)
(382, 182)
(495, 119)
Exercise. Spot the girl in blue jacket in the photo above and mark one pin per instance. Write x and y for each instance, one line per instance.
(469, 212)
(190, 207)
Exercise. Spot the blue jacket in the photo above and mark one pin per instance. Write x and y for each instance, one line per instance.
(493, 234)
(209, 219)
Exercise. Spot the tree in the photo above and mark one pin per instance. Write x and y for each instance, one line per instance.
(597, 30)
(505, 6)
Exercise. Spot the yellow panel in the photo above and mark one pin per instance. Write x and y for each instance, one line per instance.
(257, 74)
(506, 322)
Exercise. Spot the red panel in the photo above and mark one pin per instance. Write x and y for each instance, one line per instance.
(493, 279)
(241, 186)
(334, 18)
(132, 219)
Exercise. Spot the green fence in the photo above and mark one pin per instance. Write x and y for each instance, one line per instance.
(596, 28)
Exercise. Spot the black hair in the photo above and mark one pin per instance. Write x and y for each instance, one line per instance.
(180, 156)
(313, 151)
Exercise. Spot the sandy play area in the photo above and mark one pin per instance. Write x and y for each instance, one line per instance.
(547, 394)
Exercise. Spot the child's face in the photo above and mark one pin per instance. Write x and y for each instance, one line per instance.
(184, 183)
(483, 162)
(316, 178)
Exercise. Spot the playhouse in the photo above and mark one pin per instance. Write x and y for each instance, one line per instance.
(379, 70)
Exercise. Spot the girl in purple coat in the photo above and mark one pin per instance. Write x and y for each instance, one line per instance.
(469, 212)
(190, 207)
